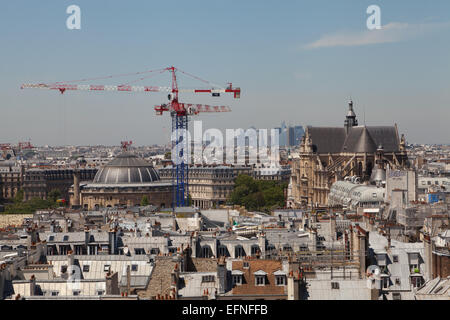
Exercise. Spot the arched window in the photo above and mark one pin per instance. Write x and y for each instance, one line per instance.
(206, 251)
(239, 251)
(223, 251)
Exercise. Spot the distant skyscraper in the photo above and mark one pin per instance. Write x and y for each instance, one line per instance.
(290, 136)
(298, 134)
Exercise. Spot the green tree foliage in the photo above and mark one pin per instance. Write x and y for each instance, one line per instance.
(144, 201)
(54, 195)
(30, 206)
(258, 194)
(18, 198)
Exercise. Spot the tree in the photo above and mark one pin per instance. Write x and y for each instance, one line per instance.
(18, 198)
(54, 195)
(258, 194)
(144, 201)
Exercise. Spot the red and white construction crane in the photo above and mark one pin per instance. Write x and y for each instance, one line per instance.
(126, 144)
(179, 112)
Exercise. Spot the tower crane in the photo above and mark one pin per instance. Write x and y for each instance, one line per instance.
(125, 144)
(179, 112)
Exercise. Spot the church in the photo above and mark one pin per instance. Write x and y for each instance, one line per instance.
(329, 154)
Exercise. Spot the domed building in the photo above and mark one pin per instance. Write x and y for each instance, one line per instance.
(122, 182)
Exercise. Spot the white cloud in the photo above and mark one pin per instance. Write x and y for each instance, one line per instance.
(390, 33)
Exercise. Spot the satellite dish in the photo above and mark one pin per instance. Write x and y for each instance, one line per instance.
(374, 272)
(373, 277)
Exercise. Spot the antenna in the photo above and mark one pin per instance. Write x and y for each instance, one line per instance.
(364, 110)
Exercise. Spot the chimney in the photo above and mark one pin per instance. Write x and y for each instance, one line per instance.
(112, 236)
(262, 244)
(128, 279)
(222, 275)
(32, 285)
(112, 284)
(428, 246)
(86, 237)
(313, 239)
(333, 226)
(52, 226)
(293, 286)
(70, 259)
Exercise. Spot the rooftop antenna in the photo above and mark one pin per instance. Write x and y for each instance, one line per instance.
(364, 110)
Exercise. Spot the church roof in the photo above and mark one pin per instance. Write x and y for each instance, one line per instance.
(359, 139)
(327, 139)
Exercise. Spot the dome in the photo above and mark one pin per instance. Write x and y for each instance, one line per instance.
(126, 168)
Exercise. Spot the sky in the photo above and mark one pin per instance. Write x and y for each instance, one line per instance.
(295, 61)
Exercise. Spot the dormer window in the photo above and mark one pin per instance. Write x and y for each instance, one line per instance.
(260, 278)
(280, 278)
(237, 277)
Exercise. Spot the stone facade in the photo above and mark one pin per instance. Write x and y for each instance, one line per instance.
(329, 154)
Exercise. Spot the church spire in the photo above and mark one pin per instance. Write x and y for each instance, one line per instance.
(350, 119)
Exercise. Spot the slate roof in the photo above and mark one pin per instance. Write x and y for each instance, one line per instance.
(359, 139)
(327, 139)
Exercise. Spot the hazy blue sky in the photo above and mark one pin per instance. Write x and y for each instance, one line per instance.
(297, 61)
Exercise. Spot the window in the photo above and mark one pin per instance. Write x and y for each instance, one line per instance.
(385, 282)
(134, 267)
(417, 282)
(246, 265)
(63, 269)
(86, 268)
(66, 238)
(208, 279)
(172, 250)
(414, 268)
(237, 280)
(395, 258)
(335, 285)
(106, 268)
(55, 293)
(280, 280)
(397, 281)
(76, 292)
(396, 296)
(260, 280)
(100, 292)
(138, 251)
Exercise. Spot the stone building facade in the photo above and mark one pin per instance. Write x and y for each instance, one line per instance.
(37, 183)
(209, 186)
(329, 154)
